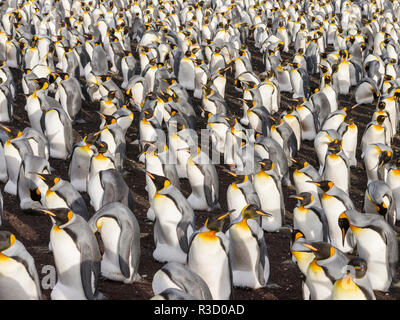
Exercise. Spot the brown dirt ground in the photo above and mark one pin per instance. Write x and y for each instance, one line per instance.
(34, 230)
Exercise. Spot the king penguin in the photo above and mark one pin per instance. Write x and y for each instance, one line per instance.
(376, 244)
(120, 234)
(76, 255)
(18, 275)
(248, 252)
(208, 256)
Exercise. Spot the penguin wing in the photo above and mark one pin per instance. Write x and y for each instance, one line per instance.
(263, 267)
(210, 182)
(72, 198)
(325, 227)
(249, 193)
(90, 258)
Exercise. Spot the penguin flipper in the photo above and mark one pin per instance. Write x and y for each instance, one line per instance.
(126, 238)
(263, 268)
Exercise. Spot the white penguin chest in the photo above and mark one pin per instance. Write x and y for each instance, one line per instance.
(267, 191)
(110, 232)
(166, 210)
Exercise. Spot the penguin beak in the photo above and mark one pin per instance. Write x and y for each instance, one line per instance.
(232, 174)
(293, 196)
(97, 133)
(40, 176)
(225, 214)
(48, 212)
(314, 183)
(150, 175)
(6, 129)
(293, 160)
(309, 246)
(263, 213)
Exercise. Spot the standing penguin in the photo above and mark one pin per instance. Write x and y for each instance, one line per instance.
(203, 178)
(377, 157)
(376, 244)
(248, 253)
(336, 167)
(321, 142)
(186, 73)
(348, 131)
(174, 221)
(393, 181)
(208, 256)
(76, 255)
(375, 132)
(120, 233)
(355, 285)
(239, 194)
(268, 188)
(19, 279)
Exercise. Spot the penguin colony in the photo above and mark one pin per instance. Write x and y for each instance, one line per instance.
(170, 64)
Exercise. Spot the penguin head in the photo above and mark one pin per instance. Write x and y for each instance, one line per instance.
(296, 234)
(216, 224)
(251, 211)
(11, 131)
(335, 146)
(90, 139)
(359, 267)
(299, 163)
(239, 178)
(325, 185)
(381, 105)
(160, 182)
(60, 216)
(266, 164)
(102, 146)
(382, 209)
(384, 157)
(380, 119)
(348, 119)
(7, 239)
(50, 179)
(305, 198)
(321, 250)
(344, 225)
(42, 82)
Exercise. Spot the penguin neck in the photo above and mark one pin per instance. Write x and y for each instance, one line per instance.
(208, 235)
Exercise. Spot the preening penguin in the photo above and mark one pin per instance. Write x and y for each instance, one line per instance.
(76, 255)
(208, 256)
(179, 276)
(120, 234)
(248, 253)
(377, 157)
(376, 244)
(18, 275)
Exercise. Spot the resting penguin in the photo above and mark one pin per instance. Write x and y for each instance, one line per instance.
(327, 267)
(120, 234)
(173, 294)
(174, 221)
(208, 256)
(179, 276)
(366, 92)
(376, 244)
(76, 255)
(61, 194)
(379, 199)
(203, 179)
(309, 218)
(69, 94)
(393, 181)
(18, 275)
(355, 285)
(248, 253)
(268, 188)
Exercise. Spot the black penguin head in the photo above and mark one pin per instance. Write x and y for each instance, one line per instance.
(7, 239)
(382, 209)
(160, 182)
(381, 105)
(252, 211)
(325, 185)
(305, 198)
(216, 224)
(239, 178)
(385, 157)
(344, 225)
(266, 164)
(102, 146)
(90, 138)
(380, 119)
(328, 78)
(348, 119)
(60, 216)
(299, 163)
(296, 234)
(321, 250)
(50, 179)
(359, 267)
(11, 131)
(335, 146)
